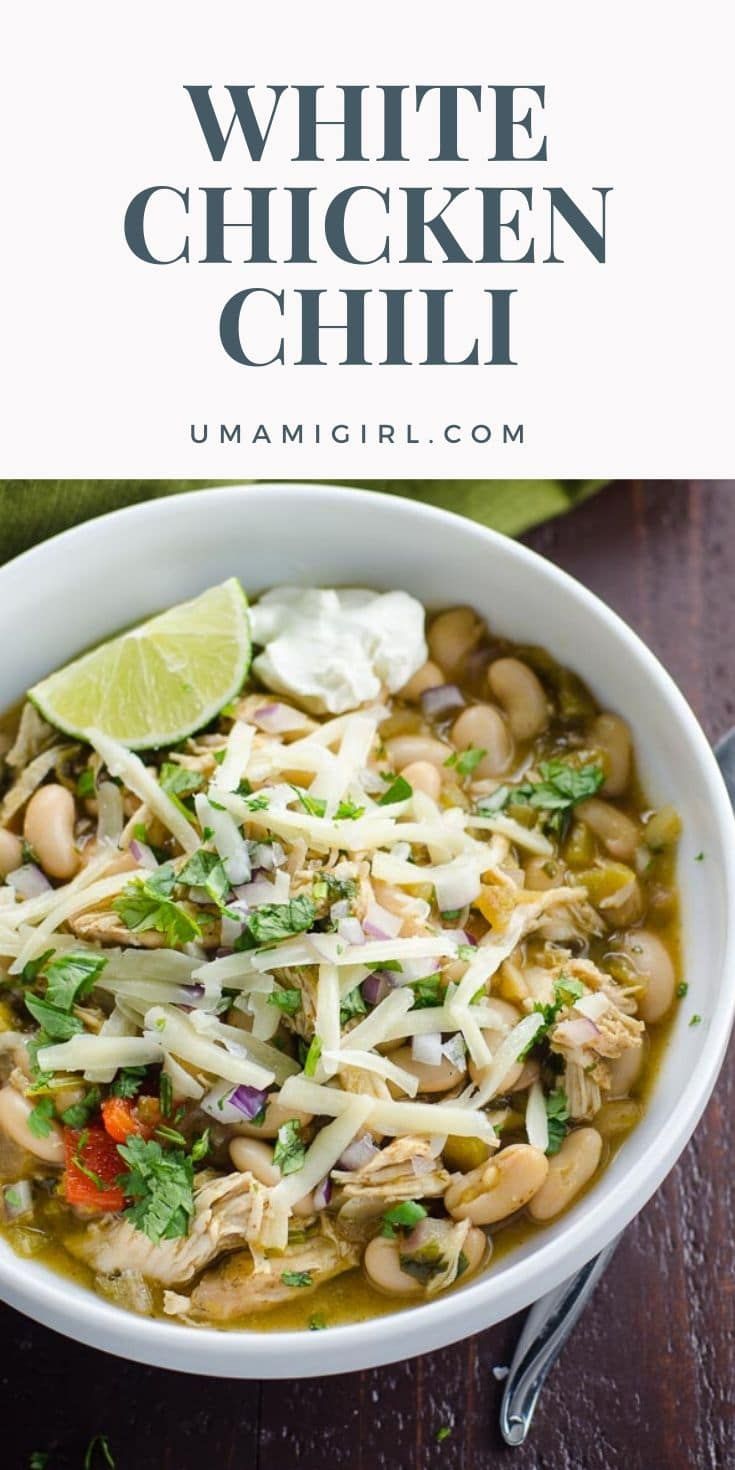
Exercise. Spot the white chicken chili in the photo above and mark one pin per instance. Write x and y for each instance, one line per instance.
(356, 981)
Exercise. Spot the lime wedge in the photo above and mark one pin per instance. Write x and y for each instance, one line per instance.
(154, 684)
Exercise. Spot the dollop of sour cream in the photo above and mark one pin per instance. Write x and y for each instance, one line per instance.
(334, 650)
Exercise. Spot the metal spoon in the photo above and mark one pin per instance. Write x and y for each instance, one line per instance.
(551, 1320)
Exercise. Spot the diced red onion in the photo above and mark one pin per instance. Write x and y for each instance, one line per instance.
(277, 719)
(375, 987)
(28, 881)
(440, 700)
(350, 929)
(460, 936)
(427, 1049)
(223, 952)
(323, 1194)
(110, 814)
(377, 917)
(248, 1100)
(340, 910)
(194, 992)
(143, 854)
(358, 1153)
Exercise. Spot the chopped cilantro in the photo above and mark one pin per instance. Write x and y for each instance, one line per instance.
(696, 1020)
(166, 1095)
(296, 1278)
(289, 1152)
(682, 989)
(31, 971)
(347, 811)
(399, 790)
(562, 785)
(128, 1081)
(40, 1117)
(312, 1056)
(317, 1322)
(273, 921)
(78, 1115)
(86, 784)
(200, 1147)
(178, 783)
(257, 803)
(557, 1113)
(314, 805)
(443, 1433)
(428, 991)
(287, 1000)
(206, 870)
(146, 903)
(70, 977)
(402, 1217)
(161, 1184)
(353, 1004)
(465, 761)
(57, 1025)
(171, 1135)
(699, 857)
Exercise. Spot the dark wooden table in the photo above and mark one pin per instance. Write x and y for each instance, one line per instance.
(648, 1381)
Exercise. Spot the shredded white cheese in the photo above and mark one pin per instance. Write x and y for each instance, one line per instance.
(139, 779)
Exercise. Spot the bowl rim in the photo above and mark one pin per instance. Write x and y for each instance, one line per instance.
(421, 1328)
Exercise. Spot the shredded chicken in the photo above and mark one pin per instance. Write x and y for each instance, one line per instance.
(222, 1216)
(103, 926)
(235, 1286)
(583, 1092)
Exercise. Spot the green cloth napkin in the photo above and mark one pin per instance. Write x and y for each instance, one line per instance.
(31, 510)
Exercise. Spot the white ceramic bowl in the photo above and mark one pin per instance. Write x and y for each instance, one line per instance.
(84, 585)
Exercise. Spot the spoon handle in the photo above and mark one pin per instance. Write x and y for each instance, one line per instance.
(544, 1334)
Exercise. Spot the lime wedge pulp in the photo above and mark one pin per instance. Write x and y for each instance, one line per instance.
(156, 683)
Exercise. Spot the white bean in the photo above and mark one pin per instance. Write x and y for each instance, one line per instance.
(569, 1171)
(617, 832)
(482, 727)
(500, 1187)
(11, 852)
(49, 830)
(429, 676)
(453, 635)
(611, 736)
(430, 1079)
(382, 1263)
(653, 964)
(15, 1111)
(518, 689)
(254, 1156)
(423, 776)
(407, 750)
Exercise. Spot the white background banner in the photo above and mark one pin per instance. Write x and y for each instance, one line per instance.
(115, 366)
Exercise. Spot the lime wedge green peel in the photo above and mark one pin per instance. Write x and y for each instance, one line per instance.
(157, 683)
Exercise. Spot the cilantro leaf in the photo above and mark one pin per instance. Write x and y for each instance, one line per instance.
(286, 999)
(296, 1278)
(562, 785)
(33, 968)
(70, 977)
(347, 811)
(399, 790)
(402, 1217)
(353, 1004)
(146, 904)
(465, 761)
(273, 921)
(161, 1184)
(86, 785)
(428, 991)
(557, 1112)
(206, 870)
(289, 1152)
(314, 805)
(78, 1115)
(40, 1117)
(128, 1081)
(57, 1025)
(178, 782)
(312, 1056)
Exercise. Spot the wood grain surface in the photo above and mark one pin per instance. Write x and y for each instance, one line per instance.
(648, 1380)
